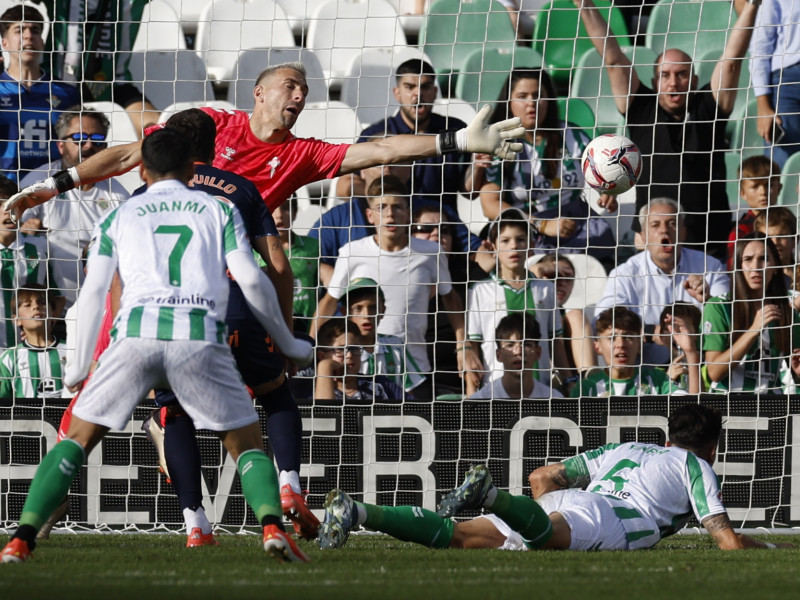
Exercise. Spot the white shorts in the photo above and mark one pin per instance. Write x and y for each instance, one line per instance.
(591, 519)
(513, 539)
(202, 374)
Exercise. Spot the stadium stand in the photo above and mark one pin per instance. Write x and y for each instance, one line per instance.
(160, 29)
(694, 27)
(485, 70)
(156, 73)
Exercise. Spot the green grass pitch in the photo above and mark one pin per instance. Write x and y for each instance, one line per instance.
(149, 566)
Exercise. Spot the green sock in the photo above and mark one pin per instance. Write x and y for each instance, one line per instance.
(525, 516)
(51, 482)
(259, 483)
(409, 524)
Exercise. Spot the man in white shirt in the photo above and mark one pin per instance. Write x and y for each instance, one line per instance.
(70, 217)
(662, 274)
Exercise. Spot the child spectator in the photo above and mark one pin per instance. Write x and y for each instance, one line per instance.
(760, 184)
(511, 288)
(23, 261)
(749, 334)
(577, 329)
(517, 338)
(679, 330)
(303, 253)
(408, 271)
(619, 342)
(339, 363)
(33, 368)
(780, 225)
(364, 305)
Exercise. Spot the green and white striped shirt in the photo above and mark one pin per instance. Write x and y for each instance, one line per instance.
(21, 263)
(30, 372)
(653, 490)
(170, 245)
(392, 358)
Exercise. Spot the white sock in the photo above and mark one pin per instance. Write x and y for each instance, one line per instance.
(196, 518)
(491, 496)
(292, 478)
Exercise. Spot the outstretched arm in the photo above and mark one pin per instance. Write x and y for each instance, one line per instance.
(478, 136)
(548, 479)
(624, 80)
(720, 528)
(725, 78)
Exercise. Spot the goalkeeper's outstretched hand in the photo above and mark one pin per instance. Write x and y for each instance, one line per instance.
(31, 196)
(480, 136)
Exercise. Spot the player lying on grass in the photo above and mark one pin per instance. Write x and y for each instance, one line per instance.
(170, 247)
(617, 497)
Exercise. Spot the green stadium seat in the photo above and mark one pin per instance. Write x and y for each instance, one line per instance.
(691, 26)
(452, 29)
(577, 112)
(733, 159)
(742, 129)
(704, 67)
(590, 83)
(485, 71)
(560, 37)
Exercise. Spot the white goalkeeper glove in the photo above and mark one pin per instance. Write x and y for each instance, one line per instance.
(481, 137)
(41, 192)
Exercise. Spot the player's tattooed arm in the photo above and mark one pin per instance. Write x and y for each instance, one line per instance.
(548, 479)
(720, 528)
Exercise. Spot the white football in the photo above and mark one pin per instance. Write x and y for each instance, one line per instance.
(611, 164)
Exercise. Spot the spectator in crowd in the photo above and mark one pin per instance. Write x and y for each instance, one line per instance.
(364, 305)
(664, 273)
(33, 368)
(679, 328)
(759, 186)
(30, 100)
(69, 219)
(577, 329)
(517, 337)
(432, 223)
(338, 370)
(408, 271)
(751, 333)
(303, 253)
(679, 129)
(92, 40)
(619, 341)
(437, 179)
(23, 261)
(775, 75)
(511, 288)
(546, 181)
(780, 225)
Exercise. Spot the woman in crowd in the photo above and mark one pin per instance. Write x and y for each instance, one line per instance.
(545, 180)
(749, 334)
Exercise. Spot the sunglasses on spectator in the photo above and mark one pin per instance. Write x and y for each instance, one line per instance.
(98, 139)
(429, 229)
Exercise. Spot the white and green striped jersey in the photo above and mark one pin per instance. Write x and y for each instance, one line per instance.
(170, 246)
(392, 358)
(490, 300)
(645, 381)
(30, 372)
(654, 490)
(22, 262)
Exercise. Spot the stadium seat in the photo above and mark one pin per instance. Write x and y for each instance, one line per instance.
(733, 160)
(790, 180)
(453, 107)
(590, 280)
(252, 62)
(704, 66)
(369, 80)
(189, 12)
(299, 13)
(577, 112)
(691, 26)
(228, 26)
(485, 71)
(169, 77)
(590, 83)
(453, 29)
(160, 28)
(342, 29)
(742, 129)
(560, 37)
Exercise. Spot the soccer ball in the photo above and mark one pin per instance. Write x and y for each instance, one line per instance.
(611, 164)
